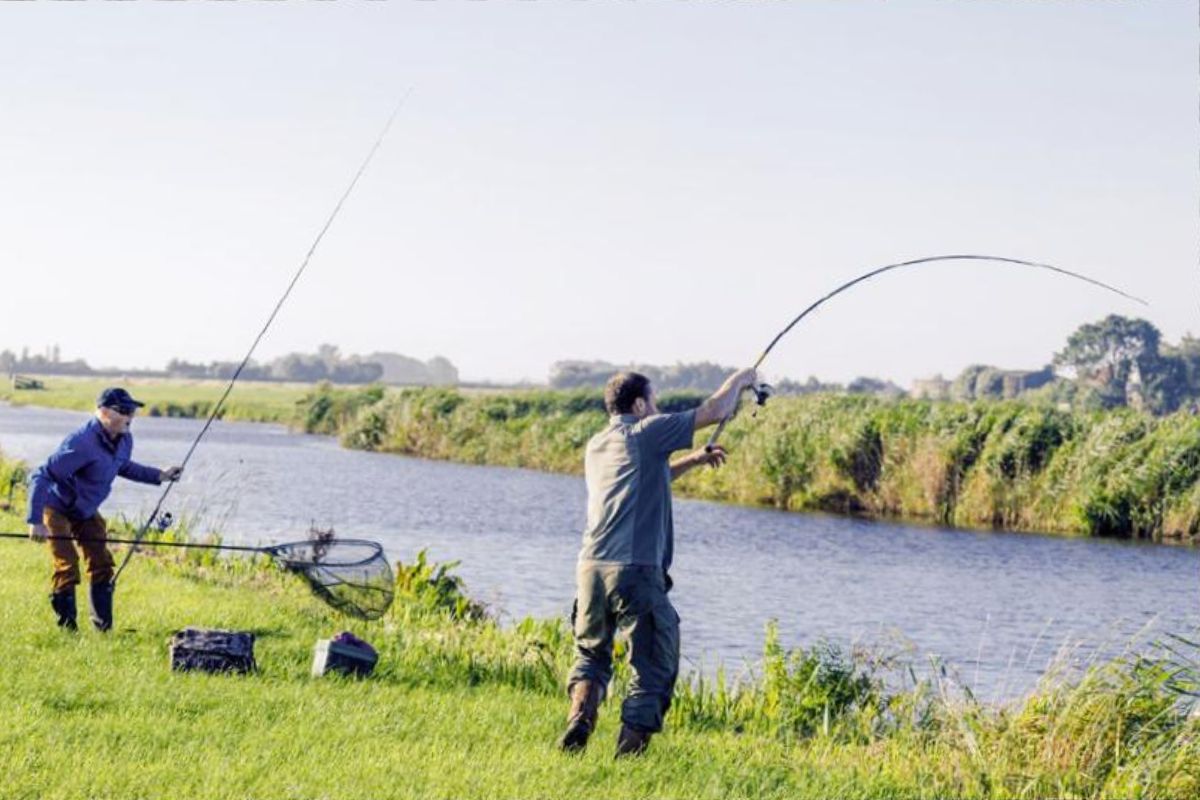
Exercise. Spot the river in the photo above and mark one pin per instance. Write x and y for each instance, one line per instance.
(996, 608)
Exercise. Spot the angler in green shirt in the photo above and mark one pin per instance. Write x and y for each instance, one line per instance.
(621, 578)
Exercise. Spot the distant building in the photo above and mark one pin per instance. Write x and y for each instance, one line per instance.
(1014, 382)
(935, 388)
(979, 382)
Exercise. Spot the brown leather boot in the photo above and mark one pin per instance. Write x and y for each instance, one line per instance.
(581, 719)
(632, 742)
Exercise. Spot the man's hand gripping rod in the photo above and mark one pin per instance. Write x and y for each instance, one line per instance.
(761, 392)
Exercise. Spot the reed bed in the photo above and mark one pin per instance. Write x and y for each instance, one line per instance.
(1007, 465)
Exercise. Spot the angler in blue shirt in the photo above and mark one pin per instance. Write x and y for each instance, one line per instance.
(65, 497)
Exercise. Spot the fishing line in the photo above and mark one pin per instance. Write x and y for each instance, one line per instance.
(237, 373)
(762, 392)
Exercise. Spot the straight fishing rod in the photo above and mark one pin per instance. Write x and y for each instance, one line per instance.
(237, 373)
(763, 391)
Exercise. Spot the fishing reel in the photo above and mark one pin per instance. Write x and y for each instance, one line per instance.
(164, 521)
(762, 392)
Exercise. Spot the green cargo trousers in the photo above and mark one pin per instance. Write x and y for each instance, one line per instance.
(618, 597)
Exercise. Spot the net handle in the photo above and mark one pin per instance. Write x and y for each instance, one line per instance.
(275, 551)
(302, 567)
(145, 542)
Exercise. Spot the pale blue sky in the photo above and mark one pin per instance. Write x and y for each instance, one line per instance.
(650, 181)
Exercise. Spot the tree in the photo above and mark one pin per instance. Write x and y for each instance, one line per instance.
(177, 367)
(1119, 359)
(867, 385)
(329, 355)
(964, 386)
(441, 371)
(356, 371)
(299, 367)
(1188, 353)
(810, 386)
(580, 374)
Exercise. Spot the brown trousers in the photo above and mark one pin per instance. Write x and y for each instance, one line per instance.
(92, 535)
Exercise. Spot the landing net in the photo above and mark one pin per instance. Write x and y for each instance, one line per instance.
(352, 575)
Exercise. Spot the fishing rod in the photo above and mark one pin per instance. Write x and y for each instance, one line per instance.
(237, 373)
(762, 391)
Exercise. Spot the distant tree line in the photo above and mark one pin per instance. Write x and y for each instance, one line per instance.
(327, 364)
(1117, 361)
(703, 376)
(49, 363)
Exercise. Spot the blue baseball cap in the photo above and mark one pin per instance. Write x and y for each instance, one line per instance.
(118, 400)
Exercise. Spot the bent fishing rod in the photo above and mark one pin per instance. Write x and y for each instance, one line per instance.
(270, 319)
(762, 391)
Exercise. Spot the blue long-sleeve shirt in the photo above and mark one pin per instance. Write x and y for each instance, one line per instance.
(79, 475)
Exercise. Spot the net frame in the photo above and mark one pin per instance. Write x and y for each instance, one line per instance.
(350, 575)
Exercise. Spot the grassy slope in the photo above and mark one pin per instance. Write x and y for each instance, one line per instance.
(466, 709)
(99, 716)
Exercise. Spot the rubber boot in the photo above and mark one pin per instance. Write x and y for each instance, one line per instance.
(632, 741)
(63, 603)
(581, 719)
(102, 606)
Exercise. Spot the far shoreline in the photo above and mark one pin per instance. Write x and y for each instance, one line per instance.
(282, 404)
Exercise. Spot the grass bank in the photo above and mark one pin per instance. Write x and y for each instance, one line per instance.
(997, 464)
(249, 402)
(462, 707)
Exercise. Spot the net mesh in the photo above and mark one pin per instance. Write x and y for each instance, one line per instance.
(351, 575)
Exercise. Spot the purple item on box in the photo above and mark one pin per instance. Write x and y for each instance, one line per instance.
(348, 638)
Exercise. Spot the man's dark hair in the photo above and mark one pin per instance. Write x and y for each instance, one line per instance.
(622, 389)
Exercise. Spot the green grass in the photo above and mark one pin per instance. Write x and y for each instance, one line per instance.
(102, 716)
(248, 402)
(461, 706)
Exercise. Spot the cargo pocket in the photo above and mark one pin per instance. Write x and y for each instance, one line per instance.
(666, 625)
(666, 637)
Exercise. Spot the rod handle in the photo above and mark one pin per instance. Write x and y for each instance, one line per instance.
(712, 440)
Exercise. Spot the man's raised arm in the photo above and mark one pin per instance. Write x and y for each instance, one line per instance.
(724, 401)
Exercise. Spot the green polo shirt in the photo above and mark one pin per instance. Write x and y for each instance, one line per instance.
(628, 476)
